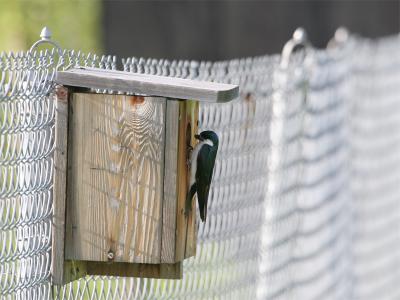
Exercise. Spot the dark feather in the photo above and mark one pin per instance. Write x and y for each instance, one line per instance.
(205, 167)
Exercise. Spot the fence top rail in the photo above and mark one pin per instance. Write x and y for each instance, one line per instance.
(150, 85)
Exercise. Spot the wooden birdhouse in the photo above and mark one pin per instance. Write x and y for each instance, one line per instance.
(122, 173)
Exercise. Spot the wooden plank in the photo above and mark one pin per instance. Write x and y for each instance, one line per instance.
(160, 271)
(117, 161)
(71, 219)
(186, 226)
(192, 118)
(181, 238)
(170, 183)
(59, 185)
(74, 270)
(144, 84)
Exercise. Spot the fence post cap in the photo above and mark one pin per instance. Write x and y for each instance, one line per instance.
(45, 34)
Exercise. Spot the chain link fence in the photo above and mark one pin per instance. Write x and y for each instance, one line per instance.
(304, 201)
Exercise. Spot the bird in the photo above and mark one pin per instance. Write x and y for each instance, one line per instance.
(202, 162)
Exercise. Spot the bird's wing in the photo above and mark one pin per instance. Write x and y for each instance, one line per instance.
(205, 166)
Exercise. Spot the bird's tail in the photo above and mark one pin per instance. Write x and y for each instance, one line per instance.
(203, 211)
(189, 198)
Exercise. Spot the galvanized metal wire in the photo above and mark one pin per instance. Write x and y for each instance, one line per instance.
(375, 120)
(304, 201)
(26, 167)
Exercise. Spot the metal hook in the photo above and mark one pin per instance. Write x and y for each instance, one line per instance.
(298, 40)
(45, 37)
(339, 38)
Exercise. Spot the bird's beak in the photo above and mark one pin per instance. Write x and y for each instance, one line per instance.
(197, 136)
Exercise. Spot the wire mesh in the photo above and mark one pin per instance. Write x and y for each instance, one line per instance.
(303, 201)
(375, 121)
(26, 167)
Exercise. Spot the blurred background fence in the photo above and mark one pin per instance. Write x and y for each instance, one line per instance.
(305, 201)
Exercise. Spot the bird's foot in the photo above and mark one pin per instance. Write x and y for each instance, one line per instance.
(189, 150)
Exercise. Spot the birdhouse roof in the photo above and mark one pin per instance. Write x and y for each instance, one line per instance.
(151, 85)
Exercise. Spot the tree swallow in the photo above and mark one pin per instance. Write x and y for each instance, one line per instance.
(202, 161)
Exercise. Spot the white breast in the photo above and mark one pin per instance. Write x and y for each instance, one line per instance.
(193, 159)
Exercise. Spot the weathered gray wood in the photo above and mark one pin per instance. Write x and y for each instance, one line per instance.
(151, 85)
(170, 183)
(59, 188)
(117, 169)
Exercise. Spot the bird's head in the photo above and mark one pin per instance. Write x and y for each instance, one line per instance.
(208, 136)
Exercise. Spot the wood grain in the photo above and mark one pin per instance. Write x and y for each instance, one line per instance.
(144, 84)
(170, 183)
(117, 167)
(59, 185)
(192, 115)
(186, 226)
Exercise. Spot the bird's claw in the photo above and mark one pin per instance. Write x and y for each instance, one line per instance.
(189, 149)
